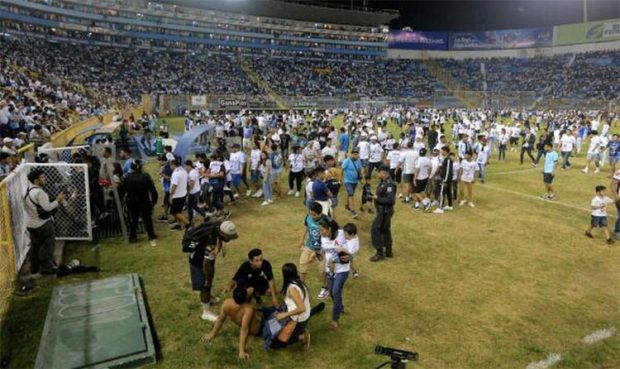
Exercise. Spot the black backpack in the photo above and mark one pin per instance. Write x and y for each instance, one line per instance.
(194, 238)
(43, 214)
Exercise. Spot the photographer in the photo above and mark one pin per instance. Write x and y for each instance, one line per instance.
(141, 198)
(40, 223)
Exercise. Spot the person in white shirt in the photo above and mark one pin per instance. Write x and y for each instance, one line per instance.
(364, 148)
(423, 169)
(594, 152)
(329, 149)
(296, 172)
(567, 144)
(178, 192)
(193, 178)
(604, 149)
(237, 166)
(503, 142)
(468, 177)
(393, 158)
(254, 173)
(482, 159)
(375, 157)
(407, 165)
(599, 213)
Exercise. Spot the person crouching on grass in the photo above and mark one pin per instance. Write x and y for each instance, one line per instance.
(599, 213)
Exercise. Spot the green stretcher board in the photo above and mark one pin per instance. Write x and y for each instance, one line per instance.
(97, 324)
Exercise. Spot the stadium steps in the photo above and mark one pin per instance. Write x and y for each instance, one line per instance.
(258, 81)
(445, 77)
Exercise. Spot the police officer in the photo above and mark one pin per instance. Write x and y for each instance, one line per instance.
(141, 197)
(384, 198)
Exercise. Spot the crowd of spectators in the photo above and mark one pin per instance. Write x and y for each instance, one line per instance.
(582, 76)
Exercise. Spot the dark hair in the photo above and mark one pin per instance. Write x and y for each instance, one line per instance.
(240, 295)
(331, 224)
(600, 188)
(291, 276)
(254, 253)
(136, 165)
(125, 149)
(189, 163)
(328, 158)
(174, 162)
(107, 150)
(446, 149)
(316, 207)
(422, 152)
(35, 174)
(350, 228)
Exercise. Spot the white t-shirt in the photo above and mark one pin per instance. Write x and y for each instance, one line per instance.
(393, 156)
(375, 153)
(364, 147)
(418, 145)
(423, 168)
(290, 304)
(194, 176)
(408, 160)
(297, 162)
(483, 155)
(254, 159)
(469, 169)
(309, 189)
(568, 142)
(598, 202)
(595, 145)
(179, 178)
(237, 159)
(328, 150)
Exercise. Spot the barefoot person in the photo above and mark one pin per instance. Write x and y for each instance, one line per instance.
(241, 312)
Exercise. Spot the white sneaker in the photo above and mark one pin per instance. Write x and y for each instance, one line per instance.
(448, 208)
(463, 202)
(270, 201)
(584, 171)
(438, 211)
(434, 203)
(236, 196)
(596, 171)
(208, 315)
(258, 193)
(248, 193)
(290, 192)
(400, 195)
(324, 293)
(471, 205)
(214, 300)
(153, 243)
(265, 203)
(297, 194)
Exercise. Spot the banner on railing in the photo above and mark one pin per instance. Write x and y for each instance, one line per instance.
(502, 39)
(418, 40)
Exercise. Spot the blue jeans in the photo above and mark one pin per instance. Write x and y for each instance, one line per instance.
(217, 187)
(268, 187)
(335, 285)
(565, 157)
(483, 171)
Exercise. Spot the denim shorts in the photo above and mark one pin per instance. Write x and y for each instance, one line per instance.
(236, 180)
(598, 221)
(350, 187)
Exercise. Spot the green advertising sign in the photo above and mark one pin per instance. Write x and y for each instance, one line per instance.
(581, 33)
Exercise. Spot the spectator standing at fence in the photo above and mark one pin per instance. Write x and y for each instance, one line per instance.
(141, 198)
(40, 223)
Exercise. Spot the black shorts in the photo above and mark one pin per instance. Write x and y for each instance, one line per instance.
(420, 185)
(177, 205)
(548, 178)
(395, 175)
(407, 178)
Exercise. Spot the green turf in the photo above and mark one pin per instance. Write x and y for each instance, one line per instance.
(496, 286)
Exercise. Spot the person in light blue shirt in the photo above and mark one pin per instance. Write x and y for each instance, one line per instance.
(344, 144)
(551, 161)
(352, 172)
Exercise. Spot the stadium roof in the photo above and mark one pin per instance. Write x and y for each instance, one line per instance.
(291, 9)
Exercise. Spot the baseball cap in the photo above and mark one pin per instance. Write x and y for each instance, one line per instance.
(7, 140)
(229, 229)
(355, 150)
(373, 137)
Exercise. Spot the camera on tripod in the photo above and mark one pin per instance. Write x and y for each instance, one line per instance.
(398, 358)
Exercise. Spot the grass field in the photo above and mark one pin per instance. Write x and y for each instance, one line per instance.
(501, 285)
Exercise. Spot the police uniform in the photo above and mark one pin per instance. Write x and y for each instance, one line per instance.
(141, 197)
(381, 232)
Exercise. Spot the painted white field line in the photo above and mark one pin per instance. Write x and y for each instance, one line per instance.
(535, 197)
(599, 335)
(512, 171)
(550, 360)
